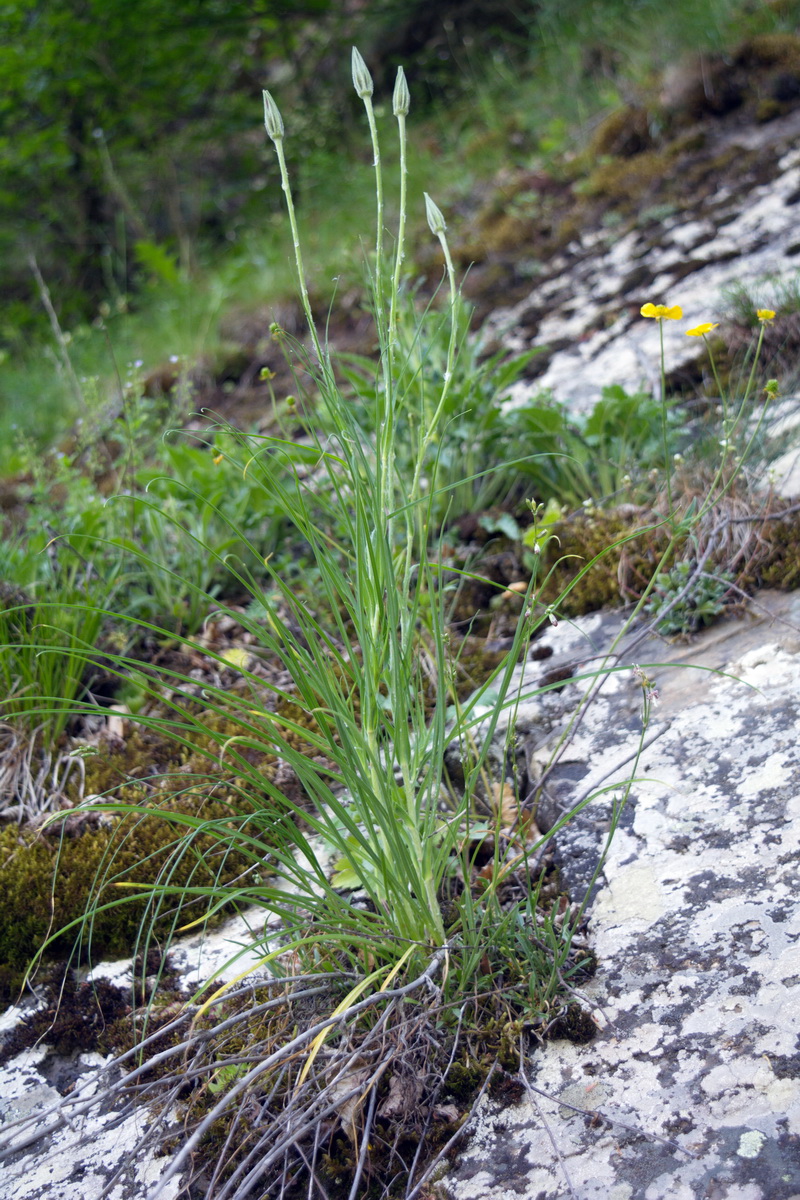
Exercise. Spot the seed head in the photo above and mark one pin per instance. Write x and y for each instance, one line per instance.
(434, 214)
(272, 118)
(362, 80)
(401, 100)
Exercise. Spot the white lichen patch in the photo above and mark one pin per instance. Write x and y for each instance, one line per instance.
(633, 898)
(103, 1147)
(774, 773)
(750, 1144)
(695, 926)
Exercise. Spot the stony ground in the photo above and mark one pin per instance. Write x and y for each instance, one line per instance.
(691, 1087)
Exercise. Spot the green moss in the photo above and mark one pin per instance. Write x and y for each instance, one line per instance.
(782, 568)
(770, 50)
(623, 572)
(463, 1081)
(619, 576)
(474, 665)
(47, 879)
(629, 178)
(624, 133)
(767, 109)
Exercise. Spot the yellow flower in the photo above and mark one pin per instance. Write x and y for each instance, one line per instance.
(701, 330)
(662, 312)
(765, 314)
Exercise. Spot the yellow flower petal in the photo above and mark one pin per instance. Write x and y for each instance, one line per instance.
(765, 314)
(662, 312)
(701, 330)
(237, 656)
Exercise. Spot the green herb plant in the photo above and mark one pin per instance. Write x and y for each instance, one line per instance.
(699, 599)
(362, 711)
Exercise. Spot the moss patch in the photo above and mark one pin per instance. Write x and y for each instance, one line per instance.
(620, 575)
(46, 879)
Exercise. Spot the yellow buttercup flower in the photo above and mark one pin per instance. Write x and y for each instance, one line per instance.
(765, 314)
(662, 312)
(701, 330)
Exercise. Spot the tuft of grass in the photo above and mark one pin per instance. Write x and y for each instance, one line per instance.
(439, 925)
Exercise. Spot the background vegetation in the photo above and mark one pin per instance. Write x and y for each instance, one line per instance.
(237, 652)
(135, 175)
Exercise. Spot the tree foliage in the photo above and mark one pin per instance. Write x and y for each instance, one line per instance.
(129, 132)
(126, 122)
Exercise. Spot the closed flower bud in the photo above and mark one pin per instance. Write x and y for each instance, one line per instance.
(401, 100)
(272, 118)
(362, 80)
(434, 214)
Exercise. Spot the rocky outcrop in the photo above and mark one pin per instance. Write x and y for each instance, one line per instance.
(691, 1086)
(588, 303)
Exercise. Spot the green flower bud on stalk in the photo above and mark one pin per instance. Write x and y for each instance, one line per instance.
(401, 100)
(434, 214)
(272, 118)
(362, 80)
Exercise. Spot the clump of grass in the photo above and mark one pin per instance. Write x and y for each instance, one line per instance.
(432, 906)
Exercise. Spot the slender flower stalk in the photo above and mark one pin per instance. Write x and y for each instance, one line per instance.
(362, 82)
(703, 332)
(438, 227)
(765, 316)
(662, 313)
(273, 122)
(401, 102)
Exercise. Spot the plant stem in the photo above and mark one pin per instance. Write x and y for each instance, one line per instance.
(430, 432)
(667, 465)
(298, 255)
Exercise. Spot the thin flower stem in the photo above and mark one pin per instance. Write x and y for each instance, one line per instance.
(373, 133)
(720, 389)
(756, 357)
(385, 418)
(713, 496)
(667, 464)
(298, 254)
(432, 429)
(391, 341)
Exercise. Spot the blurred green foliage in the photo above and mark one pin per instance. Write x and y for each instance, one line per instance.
(123, 124)
(128, 132)
(133, 165)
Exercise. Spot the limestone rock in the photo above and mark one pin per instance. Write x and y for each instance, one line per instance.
(691, 1087)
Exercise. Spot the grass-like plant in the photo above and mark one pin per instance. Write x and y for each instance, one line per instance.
(414, 942)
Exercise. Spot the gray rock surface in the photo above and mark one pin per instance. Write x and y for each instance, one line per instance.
(98, 1150)
(586, 297)
(691, 1087)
